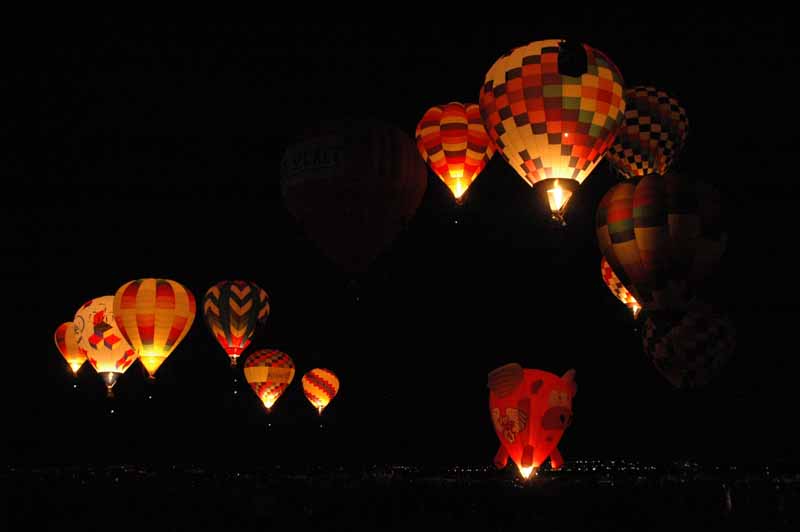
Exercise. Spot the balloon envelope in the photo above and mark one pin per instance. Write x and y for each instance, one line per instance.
(67, 343)
(664, 237)
(233, 310)
(101, 340)
(353, 185)
(269, 372)
(552, 109)
(320, 386)
(689, 349)
(654, 133)
(453, 141)
(616, 287)
(154, 315)
(530, 409)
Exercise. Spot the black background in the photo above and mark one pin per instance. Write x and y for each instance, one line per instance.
(157, 155)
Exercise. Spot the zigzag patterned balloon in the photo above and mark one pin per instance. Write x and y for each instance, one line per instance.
(320, 386)
(233, 310)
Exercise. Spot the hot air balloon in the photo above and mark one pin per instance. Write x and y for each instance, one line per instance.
(452, 140)
(530, 409)
(353, 185)
(154, 315)
(67, 343)
(664, 234)
(233, 310)
(553, 108)
(269, 373)
(653, 134)
(320, 386)
(617, 288)
(101, 341)
(689, 349)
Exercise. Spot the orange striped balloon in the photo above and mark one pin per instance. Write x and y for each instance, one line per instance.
(320, 386)
(453, 141)
(67, 343)
(269, 372)
(154, 315)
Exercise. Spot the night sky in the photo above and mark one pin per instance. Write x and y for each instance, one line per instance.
(158, 155)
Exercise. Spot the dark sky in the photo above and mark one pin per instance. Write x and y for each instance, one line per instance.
(158, 155)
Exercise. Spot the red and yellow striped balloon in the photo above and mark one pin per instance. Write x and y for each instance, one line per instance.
(154, 315)
(67, 343)
(269, 372)
(452, 140)
(619, 290)
(320, 386)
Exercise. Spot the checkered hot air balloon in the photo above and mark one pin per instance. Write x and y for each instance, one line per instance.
(453, 142)
(689, 349)
(530, 409)
(67, 343)
(617, 288)
(353, 186)
(101, 341)
(269, 372)
(665, 235)
(653, 134)
(154, 315)
(233, 310)
(320, 387)
(553, 108)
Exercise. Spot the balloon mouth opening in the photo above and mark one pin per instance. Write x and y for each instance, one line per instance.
(526, 472)
(75, 366)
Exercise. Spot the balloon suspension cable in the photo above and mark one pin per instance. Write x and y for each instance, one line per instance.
(558, 217)
(234, 362)
(109, 393)
(319, 410)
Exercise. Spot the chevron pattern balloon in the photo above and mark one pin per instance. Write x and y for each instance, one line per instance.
(67, 343)
(233, 310)
(320, 386)
(154, 315)
(269, 372)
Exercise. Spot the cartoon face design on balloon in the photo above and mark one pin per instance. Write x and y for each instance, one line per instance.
(530, 410)
(99, 337)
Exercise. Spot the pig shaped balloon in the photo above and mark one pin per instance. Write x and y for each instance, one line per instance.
(530, 410)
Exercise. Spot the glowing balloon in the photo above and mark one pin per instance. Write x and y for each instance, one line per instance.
(530, 409)
(617, 288)
(269, 372)
(664, 235)
(320, 386)
(553, 108)
(689, 349)
(154, 315)
(67, 343)
(233, 310)
(452, 140)
(353, 185)
(101, 341)
(654, 133)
